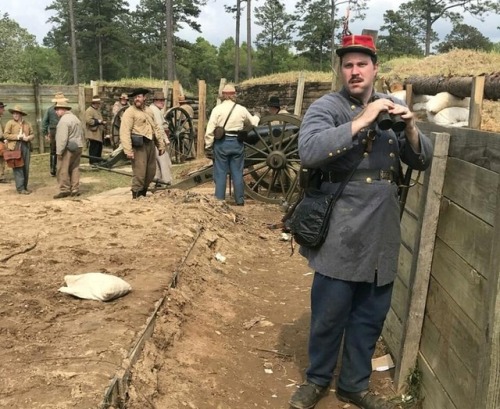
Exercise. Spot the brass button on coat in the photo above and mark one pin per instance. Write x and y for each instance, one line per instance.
(392, 154)
(368, 180)
(365, 154)
(391, 141)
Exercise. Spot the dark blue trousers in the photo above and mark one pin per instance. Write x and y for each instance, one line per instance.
(355, 310)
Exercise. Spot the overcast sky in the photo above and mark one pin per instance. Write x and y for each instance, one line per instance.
(217, 25)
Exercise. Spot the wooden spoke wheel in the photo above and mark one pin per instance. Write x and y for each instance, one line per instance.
(181, 135)
(115, 128)
(272, 160)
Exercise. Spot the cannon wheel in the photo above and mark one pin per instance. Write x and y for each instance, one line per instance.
(272, 164)
(115, 128)
(181, 135)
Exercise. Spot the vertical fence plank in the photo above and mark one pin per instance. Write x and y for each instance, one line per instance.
(488, 385)
(202, 109)
(424, 248)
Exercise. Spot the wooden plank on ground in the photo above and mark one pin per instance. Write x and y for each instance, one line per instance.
(433, 394)
(467, 235)
(469, 186)
(464, 284)
(488, 386)
(414, 319)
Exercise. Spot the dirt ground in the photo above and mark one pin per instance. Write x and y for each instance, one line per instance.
(230, 333)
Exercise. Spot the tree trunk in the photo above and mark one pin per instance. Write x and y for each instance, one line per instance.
(459, 86)
(237, 43)
(73, 42)
(169, 39)
(249, 39)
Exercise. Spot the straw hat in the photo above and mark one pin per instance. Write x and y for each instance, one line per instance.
(95, 99)
(59, 96)
(2, 105)
(229, 89)
(19, 109)
(124, 96)
(159, 95)
(62, 103)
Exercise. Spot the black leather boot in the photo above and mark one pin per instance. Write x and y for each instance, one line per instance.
(53, 165)
(143, 192)
(135, 195)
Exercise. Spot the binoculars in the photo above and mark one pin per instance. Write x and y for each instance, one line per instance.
(386, 121)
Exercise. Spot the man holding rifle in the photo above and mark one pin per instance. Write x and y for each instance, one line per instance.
(355, 267)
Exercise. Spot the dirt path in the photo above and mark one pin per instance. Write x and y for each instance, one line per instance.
(230, 335)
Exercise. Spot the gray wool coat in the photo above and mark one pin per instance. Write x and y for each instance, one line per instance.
(364, 234)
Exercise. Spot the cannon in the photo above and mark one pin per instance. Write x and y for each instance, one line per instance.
(272, 162)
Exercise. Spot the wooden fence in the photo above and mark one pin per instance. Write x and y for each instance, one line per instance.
(445, 311)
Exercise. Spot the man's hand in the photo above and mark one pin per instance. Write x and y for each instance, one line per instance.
(130, 155)
(161, 152)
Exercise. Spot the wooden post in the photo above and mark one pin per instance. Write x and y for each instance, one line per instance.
(95, 87)
(175, 94)
(165, 92)
(476, 102)
(81, 102)
(300, 95)
(202, 116)
(487, 394)
(421, 265)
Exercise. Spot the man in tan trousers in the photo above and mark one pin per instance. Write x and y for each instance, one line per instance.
(69, 145)
(139, 133)
(163, 174)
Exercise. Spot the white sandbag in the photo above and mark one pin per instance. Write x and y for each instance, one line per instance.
(95, 286)
(444, 100)
(420, 106)
(449, 116)
(421, 98)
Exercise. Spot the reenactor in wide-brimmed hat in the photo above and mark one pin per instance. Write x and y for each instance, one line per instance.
(163, 176)
(121, 103)
(49, 124)
(139, 134)
(69, 145)
(94, 129)
(19, 134)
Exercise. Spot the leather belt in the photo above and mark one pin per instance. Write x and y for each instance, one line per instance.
(367, 175)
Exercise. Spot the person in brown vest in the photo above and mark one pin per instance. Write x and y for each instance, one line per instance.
(94, 129)
(19, 132)
(139, 133)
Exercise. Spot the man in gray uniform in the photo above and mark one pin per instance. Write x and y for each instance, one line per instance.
(356, 266)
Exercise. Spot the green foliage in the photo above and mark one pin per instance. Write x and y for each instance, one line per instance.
(405, 33)
(15, 44)
(465, 37)
(276, 35)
